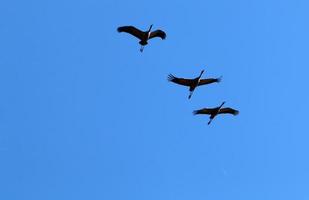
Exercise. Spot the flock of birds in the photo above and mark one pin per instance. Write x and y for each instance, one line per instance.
(144, 36)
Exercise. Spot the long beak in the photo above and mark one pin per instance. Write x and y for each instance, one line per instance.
(201, 73)
(150, 27)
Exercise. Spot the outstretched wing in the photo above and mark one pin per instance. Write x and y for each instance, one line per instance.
(207, 111)
(131, 30)
(209, 81)
(228, 111)
(180, 81)
(158, 33)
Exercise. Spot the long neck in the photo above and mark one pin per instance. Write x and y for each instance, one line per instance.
(150, 28)
(198, 78)
(201, 74)
(221, 105)
(218, 108)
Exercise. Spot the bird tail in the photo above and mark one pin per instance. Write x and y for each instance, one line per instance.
(209, 121)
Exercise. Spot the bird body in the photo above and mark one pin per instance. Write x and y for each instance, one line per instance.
(143, 36)
(192, 83)
(213, 112)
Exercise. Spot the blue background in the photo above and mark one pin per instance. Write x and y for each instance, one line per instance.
(85, 115)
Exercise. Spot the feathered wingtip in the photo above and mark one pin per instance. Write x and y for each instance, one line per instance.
(195, 112)
(170, 77)
(219, 79)
(122, 28)
(236, 112)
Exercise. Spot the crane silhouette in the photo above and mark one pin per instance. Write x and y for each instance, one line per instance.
(143, 36)
(193, 83)
(213, 112)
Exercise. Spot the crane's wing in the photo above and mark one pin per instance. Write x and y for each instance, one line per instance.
(207, 111)
(209, 80)
(180, 81)
(131, 30)
(158, 33)
(228, 111)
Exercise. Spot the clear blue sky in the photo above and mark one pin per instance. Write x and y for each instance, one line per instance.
(85, 115)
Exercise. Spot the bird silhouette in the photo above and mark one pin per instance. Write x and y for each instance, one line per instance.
(143, 36)
(213, 112)
(193, 83)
